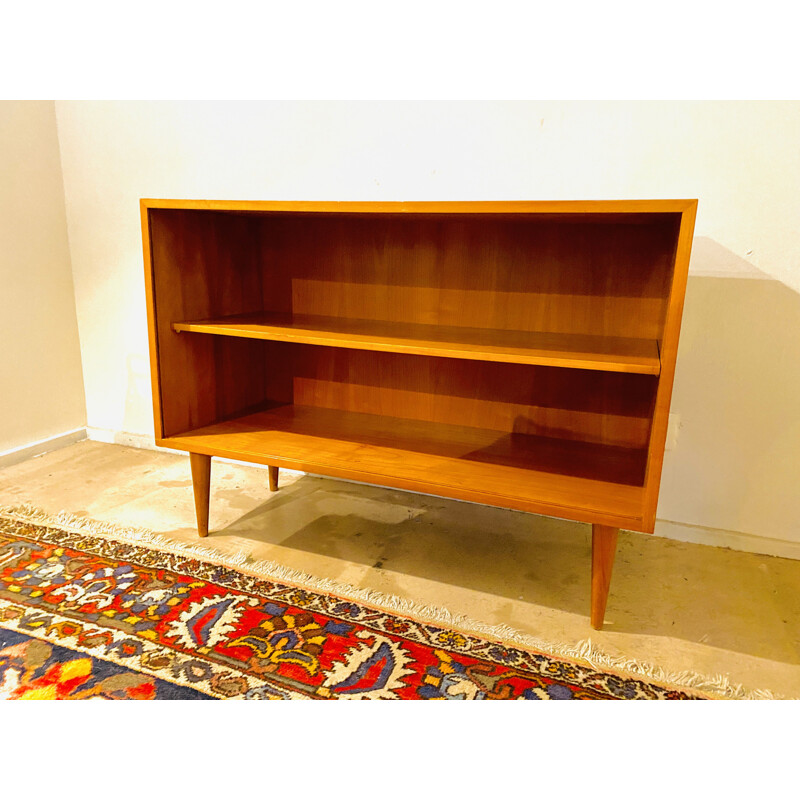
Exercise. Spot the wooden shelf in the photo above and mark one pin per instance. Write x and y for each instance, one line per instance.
(518, 355)
(576, 351)
(560, 477)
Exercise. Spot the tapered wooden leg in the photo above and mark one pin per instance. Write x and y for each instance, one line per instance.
(201, 482)
(604, 546)
(273, 479)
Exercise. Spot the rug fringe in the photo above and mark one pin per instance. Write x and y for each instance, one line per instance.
(718, 686)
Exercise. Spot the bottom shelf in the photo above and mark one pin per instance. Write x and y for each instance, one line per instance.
(559, 477)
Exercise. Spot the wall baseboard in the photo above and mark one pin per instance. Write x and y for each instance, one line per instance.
(38, 448)
(145, 442)
(679, 531)
(139, 440)
(733, 540)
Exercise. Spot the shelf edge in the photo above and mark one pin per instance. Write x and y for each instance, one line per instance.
(444, 351)
(382, 480)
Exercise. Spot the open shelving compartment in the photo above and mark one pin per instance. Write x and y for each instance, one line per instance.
(513, 354)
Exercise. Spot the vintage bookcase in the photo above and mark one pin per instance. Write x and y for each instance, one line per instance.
(518, 354)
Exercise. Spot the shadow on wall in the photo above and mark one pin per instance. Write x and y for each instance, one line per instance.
(736, 464)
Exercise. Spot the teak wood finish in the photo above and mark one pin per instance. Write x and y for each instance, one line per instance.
(604, 546)
(577, 351)
(516, 354)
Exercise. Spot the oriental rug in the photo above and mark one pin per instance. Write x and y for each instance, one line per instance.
(88, 610)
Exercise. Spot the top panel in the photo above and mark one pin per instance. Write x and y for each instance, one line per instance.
(602, 207)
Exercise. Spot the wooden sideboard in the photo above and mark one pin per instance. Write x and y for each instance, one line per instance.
(517, 354)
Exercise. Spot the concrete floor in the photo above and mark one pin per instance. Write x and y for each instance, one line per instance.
(680, 606)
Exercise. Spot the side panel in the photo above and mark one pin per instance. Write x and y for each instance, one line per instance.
(669, 355)
(200, 267)
(151, 320)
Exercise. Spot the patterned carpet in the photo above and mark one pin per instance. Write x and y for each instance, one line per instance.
(90, 616)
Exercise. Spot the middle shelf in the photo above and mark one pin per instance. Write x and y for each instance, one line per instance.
(576, 351)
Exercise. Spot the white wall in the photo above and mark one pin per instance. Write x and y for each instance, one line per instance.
(737, 459)
(41, 385)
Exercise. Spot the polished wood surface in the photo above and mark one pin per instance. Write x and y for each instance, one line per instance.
(202, 268)
(601, 407)
(669, 355)
(602, 208)
(528, 274)
(604, 547)
(201, 483)
(273, 479)
(553, 476)
(152, 320)
(519, 354)
(569, 350)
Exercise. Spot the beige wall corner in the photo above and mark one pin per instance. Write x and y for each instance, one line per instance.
(40, 361)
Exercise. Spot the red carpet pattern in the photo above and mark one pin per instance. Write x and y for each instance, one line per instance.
(85, 616)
